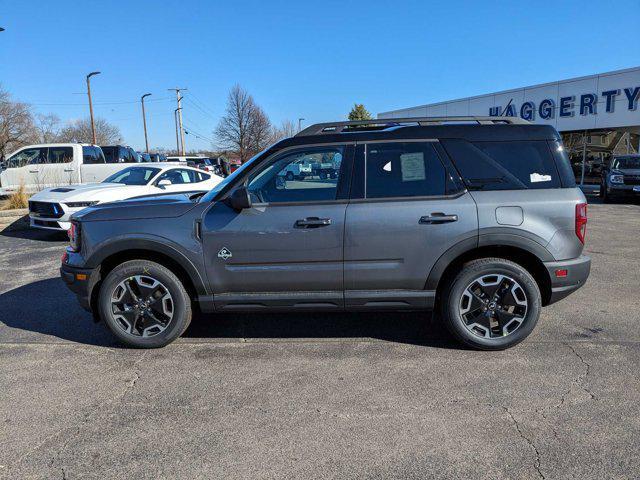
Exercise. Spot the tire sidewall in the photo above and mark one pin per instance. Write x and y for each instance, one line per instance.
(465, 277)
(181, 302)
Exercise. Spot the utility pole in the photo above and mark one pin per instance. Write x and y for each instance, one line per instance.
(300, 124)
(144, 121)
(175, 117)
(93, 125)
(179, 110)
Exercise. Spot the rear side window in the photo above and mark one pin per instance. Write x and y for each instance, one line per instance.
(90, 156)
(404, 169)
(60, 154)
(511, 165)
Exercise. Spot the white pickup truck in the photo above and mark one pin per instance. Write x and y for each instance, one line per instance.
(54, 164)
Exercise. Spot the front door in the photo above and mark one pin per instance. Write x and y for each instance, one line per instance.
(287, 249)
(411, 211)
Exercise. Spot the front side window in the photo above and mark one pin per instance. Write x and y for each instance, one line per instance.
(404, 169)
(110, 154)
(626, 163)
(304, 175)
(179, 176)
(28, 156)
(133, 176)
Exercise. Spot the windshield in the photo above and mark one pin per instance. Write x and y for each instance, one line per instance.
(221, 186)
(626, 162)
(133, 176)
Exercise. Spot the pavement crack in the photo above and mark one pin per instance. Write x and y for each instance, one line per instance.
(528, 440)
(582, 378)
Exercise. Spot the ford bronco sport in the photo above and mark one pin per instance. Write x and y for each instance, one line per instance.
(478, 217)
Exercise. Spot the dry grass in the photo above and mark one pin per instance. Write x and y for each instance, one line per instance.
(18, 199)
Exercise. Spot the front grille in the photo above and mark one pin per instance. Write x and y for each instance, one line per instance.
(45, 223)
(46, 209)
(632, 179)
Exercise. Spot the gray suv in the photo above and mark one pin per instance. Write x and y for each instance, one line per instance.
(478, 217)
(621, 178)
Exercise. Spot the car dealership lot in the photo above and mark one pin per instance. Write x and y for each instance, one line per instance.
(321, 396)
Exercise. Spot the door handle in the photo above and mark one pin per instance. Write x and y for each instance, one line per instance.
(313, 222)
(34, 171)
(69, 169)
(436, 218)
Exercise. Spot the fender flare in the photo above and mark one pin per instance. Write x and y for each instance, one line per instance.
(505, 238)
(152, 244)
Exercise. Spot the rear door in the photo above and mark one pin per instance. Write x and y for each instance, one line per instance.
(408, 208)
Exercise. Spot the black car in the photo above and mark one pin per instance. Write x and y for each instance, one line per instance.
(120, 154)
(621, 178)
(157, 157)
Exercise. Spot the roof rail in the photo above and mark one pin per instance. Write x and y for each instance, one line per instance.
(384, 123)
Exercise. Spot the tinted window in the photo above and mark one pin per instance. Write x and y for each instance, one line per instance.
(626, 162)
(403, 169)
(181, 175)
(529, 161)
(110, 154)
(60, 154)
(90, 156)
(28, 156)
(133, 176)
(304, 175)
(567, 178)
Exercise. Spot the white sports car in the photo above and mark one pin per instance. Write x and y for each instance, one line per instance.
(50, 209)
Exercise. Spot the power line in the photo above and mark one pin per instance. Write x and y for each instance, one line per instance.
(200, 109)
(164, 99)
(203, 105)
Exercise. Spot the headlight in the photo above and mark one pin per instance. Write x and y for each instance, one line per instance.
(616, 178)
(74, 236)
(79, 204)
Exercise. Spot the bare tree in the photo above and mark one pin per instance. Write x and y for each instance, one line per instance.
(286, 129)
(80, 131)
(48, 128)
(260, 131)
(233, 129)
(16, 124)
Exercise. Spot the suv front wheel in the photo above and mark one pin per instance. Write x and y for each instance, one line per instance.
(491, 304)
(144, 304)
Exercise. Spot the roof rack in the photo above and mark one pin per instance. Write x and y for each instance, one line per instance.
(384, 123)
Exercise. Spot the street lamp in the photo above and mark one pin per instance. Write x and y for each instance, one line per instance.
(300, 123)
(1, 29)
(144, 121)
(93, 126)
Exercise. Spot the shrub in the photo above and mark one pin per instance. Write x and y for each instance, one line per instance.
(18, 199)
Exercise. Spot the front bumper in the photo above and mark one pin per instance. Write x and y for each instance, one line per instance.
(577, 273)
(80, 281)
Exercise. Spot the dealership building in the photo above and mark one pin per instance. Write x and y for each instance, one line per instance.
(597, 115)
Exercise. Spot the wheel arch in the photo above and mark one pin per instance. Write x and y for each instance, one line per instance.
(519, 252)
(112, 255)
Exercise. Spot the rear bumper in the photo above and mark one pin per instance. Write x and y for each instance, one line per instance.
(577, 273)
(81, 282)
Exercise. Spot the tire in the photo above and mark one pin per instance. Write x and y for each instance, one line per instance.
(290, 176)
(170, 309)
(505, 327)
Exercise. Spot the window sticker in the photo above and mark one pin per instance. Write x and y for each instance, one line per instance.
(538, 177)
(412, 166)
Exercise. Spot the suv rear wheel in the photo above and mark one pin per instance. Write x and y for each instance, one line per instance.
(491, 304)
(144, 304)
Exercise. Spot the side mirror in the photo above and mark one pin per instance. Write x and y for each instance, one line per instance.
(240, 199)
(164, 183)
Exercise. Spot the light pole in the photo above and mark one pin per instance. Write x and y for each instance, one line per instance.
(175, 117)
(1, 29)
(93, 126)
(144, 121)
(179, 110)
(300, 120)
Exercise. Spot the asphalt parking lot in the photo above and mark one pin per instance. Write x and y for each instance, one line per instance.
(322, 396)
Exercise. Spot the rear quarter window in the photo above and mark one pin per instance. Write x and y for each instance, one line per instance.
(506, 165)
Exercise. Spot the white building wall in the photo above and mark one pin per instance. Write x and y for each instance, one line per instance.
(621, 116)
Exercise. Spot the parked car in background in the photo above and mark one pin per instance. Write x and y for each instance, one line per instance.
(52, 208)
(478, 217)
(158, 157)
(203, 163)
(120, 154)
(620, 178)
(144, 157)
(54, 164)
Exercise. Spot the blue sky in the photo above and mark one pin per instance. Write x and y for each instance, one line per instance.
(298, 59)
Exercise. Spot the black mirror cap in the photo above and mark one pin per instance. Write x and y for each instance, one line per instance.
(240, 199)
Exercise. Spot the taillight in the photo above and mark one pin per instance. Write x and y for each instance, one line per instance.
(74, 236)
(581, 221)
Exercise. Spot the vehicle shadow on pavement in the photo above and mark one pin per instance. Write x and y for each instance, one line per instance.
(35, 234)
(47, 308)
